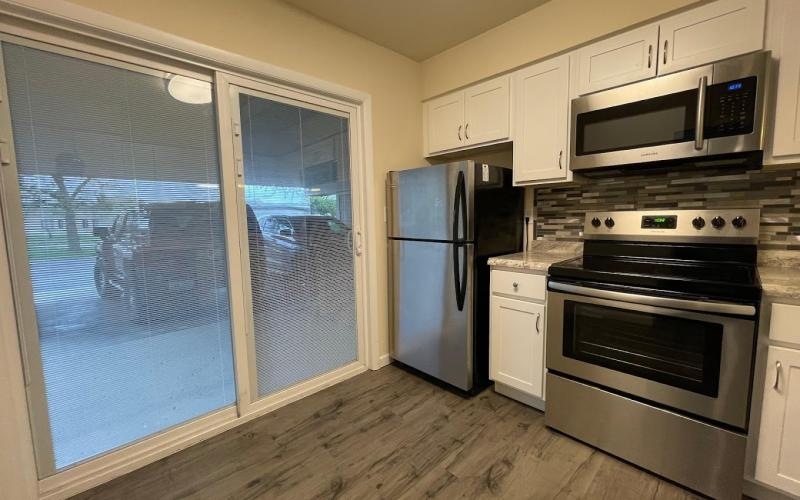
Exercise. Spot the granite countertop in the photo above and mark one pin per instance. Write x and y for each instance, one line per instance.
(780, 275)
(779, 269)
(540, 255)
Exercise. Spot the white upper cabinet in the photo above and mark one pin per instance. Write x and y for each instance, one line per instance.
(778, 460)
(783, 39)
(712, 32)
(487, 111)
(626, 58)
(541, 116)
(478, 115)
(444, 118)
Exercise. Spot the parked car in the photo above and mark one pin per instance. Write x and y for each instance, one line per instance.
(292, 240)
(162, 258)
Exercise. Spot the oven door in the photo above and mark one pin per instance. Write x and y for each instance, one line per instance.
(648, 121)
(696, 362)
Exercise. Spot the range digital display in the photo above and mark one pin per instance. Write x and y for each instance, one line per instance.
(659, 221)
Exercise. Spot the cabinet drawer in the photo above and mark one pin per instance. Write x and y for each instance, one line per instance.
(783, 323)
(529, 286)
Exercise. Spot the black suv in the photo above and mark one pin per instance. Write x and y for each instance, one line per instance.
(163, 258)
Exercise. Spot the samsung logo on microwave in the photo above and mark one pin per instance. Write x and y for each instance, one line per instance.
(651, 153)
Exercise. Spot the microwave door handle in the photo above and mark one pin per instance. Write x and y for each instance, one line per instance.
(701, 111)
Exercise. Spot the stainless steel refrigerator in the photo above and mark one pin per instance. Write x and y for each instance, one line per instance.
(444, 222)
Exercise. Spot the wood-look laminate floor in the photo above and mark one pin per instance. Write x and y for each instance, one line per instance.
(389, 434)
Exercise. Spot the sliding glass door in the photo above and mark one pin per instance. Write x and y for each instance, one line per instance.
(296, 201)
(179, 260)
(118, 236)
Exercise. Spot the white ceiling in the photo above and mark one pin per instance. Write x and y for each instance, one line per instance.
(418, 29)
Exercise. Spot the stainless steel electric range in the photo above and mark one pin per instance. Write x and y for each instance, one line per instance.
(651, 339)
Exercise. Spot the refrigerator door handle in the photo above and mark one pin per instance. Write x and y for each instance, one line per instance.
(460, 208)
(460, 274)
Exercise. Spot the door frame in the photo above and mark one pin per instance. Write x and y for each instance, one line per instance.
(92, 34)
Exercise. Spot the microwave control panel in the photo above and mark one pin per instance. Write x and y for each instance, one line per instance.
(730, 108)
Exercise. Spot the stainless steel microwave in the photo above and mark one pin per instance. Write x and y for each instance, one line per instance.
(707, 111)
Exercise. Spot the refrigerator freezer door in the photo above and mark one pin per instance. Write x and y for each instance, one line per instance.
(432, 308)
(432, 203)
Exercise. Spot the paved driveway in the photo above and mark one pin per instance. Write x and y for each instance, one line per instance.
(110, 381)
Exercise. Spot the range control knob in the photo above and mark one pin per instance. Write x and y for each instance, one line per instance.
(596, 222)
(609, 222)
(739, 222)
(699, 222)
(718, 222)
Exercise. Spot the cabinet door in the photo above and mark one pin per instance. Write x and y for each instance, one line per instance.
(487, 111)
(626, 58)
(516, 344)
(778, 459)
(445, 122)
(783, 39)
(541, 116)
(716, 31)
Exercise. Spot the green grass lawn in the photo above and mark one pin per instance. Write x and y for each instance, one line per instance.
(42, 247)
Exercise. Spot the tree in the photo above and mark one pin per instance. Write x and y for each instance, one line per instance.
(65, 195)
(323, 205)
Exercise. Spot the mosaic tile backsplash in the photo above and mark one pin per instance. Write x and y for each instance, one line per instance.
(560, 210)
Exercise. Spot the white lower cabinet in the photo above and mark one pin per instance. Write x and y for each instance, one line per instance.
(778, 460)
(517, 340)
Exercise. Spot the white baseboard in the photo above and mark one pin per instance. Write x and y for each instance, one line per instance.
(383, 360)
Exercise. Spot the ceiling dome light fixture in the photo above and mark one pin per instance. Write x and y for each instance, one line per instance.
(188, 90)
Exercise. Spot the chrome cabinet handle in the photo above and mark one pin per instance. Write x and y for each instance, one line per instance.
(777, 374)
(560, 154)
(701, 109)
(537, 323)
(649, 55)
(665, 51)
(459, 132)
(466, 132)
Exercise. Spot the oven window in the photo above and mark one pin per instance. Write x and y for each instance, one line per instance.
(679, 352)
(660, 120)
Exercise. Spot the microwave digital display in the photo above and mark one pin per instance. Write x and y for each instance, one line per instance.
(659, 221)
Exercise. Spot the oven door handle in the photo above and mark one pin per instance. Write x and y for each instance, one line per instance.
(691, 305)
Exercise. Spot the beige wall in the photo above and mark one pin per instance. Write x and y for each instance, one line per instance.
(279, 34)
(555, 26)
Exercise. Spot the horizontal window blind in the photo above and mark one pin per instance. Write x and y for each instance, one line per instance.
(119, 186)
(298, 202)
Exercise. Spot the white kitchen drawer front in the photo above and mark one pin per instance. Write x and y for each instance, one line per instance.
(784, 324)
(711, 32)
(523, 285)
(778, 458)
(626, 58)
